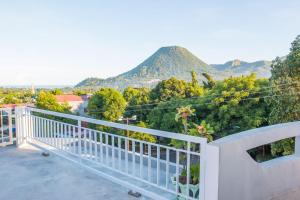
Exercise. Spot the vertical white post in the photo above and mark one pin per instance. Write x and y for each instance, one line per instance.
(167, 168)
(106, 150)
(297, 146)
(113, 151)
(126, 155)
(79, 139)
(177, 170)
(96, 146)
(158, 165)
(149, 163)
(188, 165)
(101, 147)
(141, 158)
(20, 128)
(119, 153)
(202, 169)
(10, 133)
(133, 156)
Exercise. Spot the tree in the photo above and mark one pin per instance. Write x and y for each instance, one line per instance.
(11, 99)
(210, 82)
(194, 79)
(137, 98)
(234, 105)
(142, 136)
(107, 103)
(167, 89)
(56, 91)
(174, 88)
(47, 101)
(285, 101)
(163, 115)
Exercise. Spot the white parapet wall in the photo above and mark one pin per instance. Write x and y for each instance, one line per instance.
(242, 178)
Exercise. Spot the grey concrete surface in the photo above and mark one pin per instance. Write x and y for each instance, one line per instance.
(26, 175)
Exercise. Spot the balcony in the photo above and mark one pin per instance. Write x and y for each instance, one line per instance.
(96, 163)
(92, 159)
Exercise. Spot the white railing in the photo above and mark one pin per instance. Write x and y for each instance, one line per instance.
(156, 166)
(6, 126)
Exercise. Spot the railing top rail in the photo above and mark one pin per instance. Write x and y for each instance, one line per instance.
(160, 133)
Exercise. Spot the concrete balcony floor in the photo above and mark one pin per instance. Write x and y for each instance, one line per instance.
(26, 175)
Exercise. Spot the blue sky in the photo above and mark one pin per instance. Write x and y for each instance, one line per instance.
(55, 42)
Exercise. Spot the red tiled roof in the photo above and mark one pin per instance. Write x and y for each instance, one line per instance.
(68, 98)
(8, 105)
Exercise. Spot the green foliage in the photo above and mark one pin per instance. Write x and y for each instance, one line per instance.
(162, 117)
(194, 173)
(11, 99)
(174, 88)
(56, 91)
(283, 147)
(15, 96)
(285, 101)
(47, 101)
(167, 89)
(234, 105)
(136, 99)
(142, 136)
(285, 83)
(210, 82)
(107, 103)
(202, 130)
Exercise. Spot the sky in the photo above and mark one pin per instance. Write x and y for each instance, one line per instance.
(61, 42)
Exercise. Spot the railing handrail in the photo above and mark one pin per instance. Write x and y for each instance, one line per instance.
(154, 132)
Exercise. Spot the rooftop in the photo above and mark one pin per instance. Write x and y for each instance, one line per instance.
(25, 174)
(68, 98)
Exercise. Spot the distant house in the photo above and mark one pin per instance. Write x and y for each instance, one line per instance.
(8, 106)
(77, 103)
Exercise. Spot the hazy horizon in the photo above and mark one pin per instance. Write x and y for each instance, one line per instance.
(62, 42)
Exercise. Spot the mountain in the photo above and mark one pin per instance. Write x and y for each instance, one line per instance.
(237, 67)
(163, 64)
(179, 62)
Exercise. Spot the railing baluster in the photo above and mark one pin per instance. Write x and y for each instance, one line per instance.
(126, 155)
(113, 151)
(56, 135)
(177, 171)
(96, 146)
(69, 138)
(90, 145)
(61, 136)
(48, 132)
(106, 150)
(43, 130)
(73, 139)
(149, 163)
(85, 142)
(79, 139)
(141, 158)
(119, 153)
(2, 131)
(167, 167)
(158, 165)
(52, 133)
(188, 165)
(101, 147)
(133, 157)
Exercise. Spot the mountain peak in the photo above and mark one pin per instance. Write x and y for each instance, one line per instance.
(235, 63)
(176, 61)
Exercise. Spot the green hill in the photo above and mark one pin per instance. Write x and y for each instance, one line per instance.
(175, 61)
